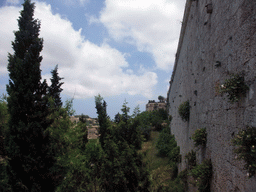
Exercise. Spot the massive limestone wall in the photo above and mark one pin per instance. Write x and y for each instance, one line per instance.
(227, 35)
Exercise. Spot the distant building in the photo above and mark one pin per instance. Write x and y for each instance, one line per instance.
(91, 121)
(152, 105)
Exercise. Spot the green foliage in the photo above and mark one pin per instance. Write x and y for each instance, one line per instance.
(165, 181)
(125, 109)
(142, 121)
(191, 159)
(77, 176)
(161, 98)
(103, 119)
(200, 137)
(184, 110)
(68, 143)
(245, 141)
(94, 155)
(3, 124)
(156, 118)
(82, 118)
(4, 186)
(83, 169)
(167, 146)
(27, 140)
(3, 159)
(235, 87)
(117, 118)
(136, 111)
(183, 176)
(163, 173)
(69, 108)
(202, 174)
(122, 168)
(55, 88)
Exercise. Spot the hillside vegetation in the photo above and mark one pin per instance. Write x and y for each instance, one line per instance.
(42, 149)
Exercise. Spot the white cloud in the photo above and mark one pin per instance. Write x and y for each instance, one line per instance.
(153, 26)
(8, 23)
(88, 69)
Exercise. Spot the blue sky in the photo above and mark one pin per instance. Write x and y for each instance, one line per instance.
(120, 49)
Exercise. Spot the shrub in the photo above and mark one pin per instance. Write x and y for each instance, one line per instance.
(246, 148)
(4, 186)
(234, 87)
(183, 176)
(167, 147)
(202, 174)
(200, 137)
(184, 110)
(145, 131)
(191, 159)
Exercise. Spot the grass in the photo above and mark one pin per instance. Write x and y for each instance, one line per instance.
(150, 151)
(161, 173)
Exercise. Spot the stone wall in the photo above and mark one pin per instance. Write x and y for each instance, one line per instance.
(227, 35)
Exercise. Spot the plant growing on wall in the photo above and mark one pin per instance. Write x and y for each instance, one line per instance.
(235, 87)
(191, 159)
(202, 174)
(245, 141)
(200, 137)
(184, 110)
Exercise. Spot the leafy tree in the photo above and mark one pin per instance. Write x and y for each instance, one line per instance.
(55, 88)
(69, 143)
(122, 168)
(161, 98)
(144, 124)
(167, 146)
(3, 123)
(94, 156)
(127, 129)
(69, 107)
(3, 129)
(162, 113)
(136, 111)
(27, 141)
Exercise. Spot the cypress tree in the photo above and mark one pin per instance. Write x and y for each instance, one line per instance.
(103, 119)
(55, 88)
(27, 143)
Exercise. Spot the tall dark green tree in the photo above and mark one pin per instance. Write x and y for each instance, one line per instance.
(122, 168)
(125, 109)
(55, 88)
(117, 118)
(102, 118)
(27, 143)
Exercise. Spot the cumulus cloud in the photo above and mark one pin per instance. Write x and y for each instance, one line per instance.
(153, 26)
(8, 23)
(87, 68)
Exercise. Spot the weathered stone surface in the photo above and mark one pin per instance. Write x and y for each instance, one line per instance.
(211, 47)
